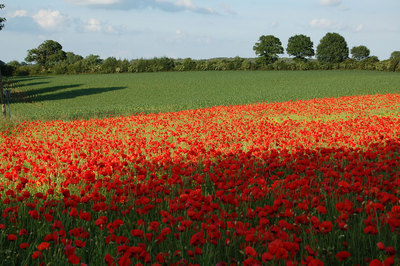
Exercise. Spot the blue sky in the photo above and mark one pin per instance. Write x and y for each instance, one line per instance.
(192, 28)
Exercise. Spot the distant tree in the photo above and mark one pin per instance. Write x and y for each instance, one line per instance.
(110, 65)
(332, 49)
(14, 63)
(395, 54)
(189, 64)
(91, 63)
(300, 46)
(371, 59)
(3, 106)
(2, 19)
(71, 58)
(46, 54)
(360, 52)
(268, 47)
(92, 60)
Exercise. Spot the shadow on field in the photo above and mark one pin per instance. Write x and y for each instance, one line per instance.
(28, 78)
(47, 94)
(32, 84)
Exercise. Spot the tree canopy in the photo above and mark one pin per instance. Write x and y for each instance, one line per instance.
(46, 54)
(360, 52)
(332, 49)
(395, 54)
(2, 19)
(300, 46)
(268, 47)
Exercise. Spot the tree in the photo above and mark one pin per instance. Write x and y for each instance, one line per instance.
(300, 46)
(3, 105)
(71, 58)
(360, 52)
(332, 49)
(92, 62)
(2, 19)
(268, 47)
(47, 54)
(110, 65)
(395, 54)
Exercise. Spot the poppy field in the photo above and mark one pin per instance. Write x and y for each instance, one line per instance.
(310, 182)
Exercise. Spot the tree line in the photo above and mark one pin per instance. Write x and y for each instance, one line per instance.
(331, 53)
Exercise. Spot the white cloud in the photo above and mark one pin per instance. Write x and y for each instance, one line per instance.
(185, 3)
(321, 23)
(98, 26)
(165, 5)
(226, 8)
(111, 29)
(93, 25)
(177, 37)
(360, 27)
(274, 24)
(19, 13)
(93, 2)
(330, 2)
(49, 19)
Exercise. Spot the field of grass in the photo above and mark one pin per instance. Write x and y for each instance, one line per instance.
(84, 96)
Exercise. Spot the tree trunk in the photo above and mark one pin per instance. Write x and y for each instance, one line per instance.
(3, 104)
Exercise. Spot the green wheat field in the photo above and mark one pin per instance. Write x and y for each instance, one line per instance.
(100, 95)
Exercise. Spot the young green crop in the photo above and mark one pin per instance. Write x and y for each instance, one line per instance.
(99, 95)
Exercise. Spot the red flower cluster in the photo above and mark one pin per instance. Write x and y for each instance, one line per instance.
(302, 182)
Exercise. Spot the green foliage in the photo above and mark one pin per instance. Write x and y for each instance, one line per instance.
(360, 52)
(394, 64)
(268, 47)
(71, 58)
(300, 46)
(332, 49)
(91, 63)
(2, 20)
(46, 54)
(395, 54)
(97, 95)
(188, 64)
(109, 65)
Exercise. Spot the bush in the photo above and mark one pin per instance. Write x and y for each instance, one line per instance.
(189, 64)
(109, 65)
(394, 64)
(22, 71)
(60, 68)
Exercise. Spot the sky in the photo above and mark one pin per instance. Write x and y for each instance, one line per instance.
(130, 29)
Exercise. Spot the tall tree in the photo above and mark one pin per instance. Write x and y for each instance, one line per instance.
(46, 54)
(395, 54)
(332, 48)
(360, 52)
(268, 47)
(3, 105)
(300, 46)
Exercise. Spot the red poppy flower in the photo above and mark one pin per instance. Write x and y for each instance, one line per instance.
(250, 252)
(36, 254)
(342, 255)
(376, 262)
(12, 237)
(73, 259)
(43, 246)
(380, 246)
(24, 245)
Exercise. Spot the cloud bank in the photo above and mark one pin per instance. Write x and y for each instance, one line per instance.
(165, 5)
(330, 2)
